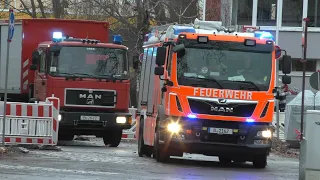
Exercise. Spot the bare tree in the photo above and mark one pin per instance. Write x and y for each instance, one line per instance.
(59, 7)
(182, 11)
(32, 7)
(45, 8)
(213, 10)
(226, 15)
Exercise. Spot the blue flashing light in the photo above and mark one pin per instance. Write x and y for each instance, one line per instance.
(180, 29)
(192, 116)
(264, 35)
(57, 36)
(117, 39)
(249, 120)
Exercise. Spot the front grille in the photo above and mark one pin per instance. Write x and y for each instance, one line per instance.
(213, 108)
(86, 97)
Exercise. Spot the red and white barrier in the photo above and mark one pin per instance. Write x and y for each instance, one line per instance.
(130, 133)
(31, 123)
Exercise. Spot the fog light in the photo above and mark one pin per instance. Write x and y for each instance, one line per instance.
(174, 127)
(121, 120)
(59, 117)
(265, 134)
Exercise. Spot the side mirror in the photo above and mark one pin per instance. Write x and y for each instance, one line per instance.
(33, 67)
(159, 71)
(35, 57)
(135, 62)
(286, 64)
(286, 79)
(180, 50)
(161, 56)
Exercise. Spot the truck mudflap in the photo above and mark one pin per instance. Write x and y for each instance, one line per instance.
(244, 140)
(94, 121)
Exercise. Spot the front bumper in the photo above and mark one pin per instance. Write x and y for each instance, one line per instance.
(195, 138)
(92, 121)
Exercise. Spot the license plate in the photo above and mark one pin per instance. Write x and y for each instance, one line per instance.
(90, 118)
(220, 131)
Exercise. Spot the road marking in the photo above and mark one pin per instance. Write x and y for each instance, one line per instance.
(17, 167)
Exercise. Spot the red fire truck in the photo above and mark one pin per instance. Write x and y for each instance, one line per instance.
(71, 60)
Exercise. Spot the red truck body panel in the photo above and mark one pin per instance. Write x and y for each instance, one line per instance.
(35, 31)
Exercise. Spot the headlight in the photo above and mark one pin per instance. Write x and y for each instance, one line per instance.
(174, 127)
(265, 134)
(59, 117)
(121, 120)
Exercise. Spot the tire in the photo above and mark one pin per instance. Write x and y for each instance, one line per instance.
(142, 148)
(224, 160)
(160, 155)
(113, 138)
(63, 136)
(260, 161)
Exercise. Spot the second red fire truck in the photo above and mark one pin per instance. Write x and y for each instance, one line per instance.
(72, 60)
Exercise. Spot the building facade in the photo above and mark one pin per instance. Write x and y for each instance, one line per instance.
(263, 13)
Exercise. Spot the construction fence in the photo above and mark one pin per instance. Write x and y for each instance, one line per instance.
(31, 123)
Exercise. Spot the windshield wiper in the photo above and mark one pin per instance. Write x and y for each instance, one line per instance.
(69, 74)
(84, 74)
(249, 82)
(207, 79)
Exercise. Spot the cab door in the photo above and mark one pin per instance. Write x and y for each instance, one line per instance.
(40, 90)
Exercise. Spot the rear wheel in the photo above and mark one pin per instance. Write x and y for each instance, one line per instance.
(159, 153)
(113, 138)
(260, 161)
(142, 148)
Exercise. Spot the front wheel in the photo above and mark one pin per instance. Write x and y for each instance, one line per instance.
(260, 161)
(142, 148)
(65, 136)
(113, 138)
(159, 153)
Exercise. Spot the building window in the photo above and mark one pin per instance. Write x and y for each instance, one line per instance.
(244, 12)
(314, 13)
(297, 65)
(292, 13)
(267, 13)
(5, 4)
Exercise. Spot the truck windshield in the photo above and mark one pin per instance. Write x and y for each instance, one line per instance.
(96, 62)
(229, 69)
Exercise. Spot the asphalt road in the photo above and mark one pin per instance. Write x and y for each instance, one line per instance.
(81, 160)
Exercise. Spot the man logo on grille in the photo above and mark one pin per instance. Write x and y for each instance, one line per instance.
(90, 98)
(90, 101)
(222, 101)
